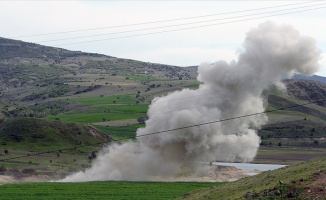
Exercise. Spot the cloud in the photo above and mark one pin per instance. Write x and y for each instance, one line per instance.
(232, 89)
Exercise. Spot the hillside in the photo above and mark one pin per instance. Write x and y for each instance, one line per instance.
(24, 64)
(111, 93)
(54, 99)
(37, 134)
(299, 126)
(307, 90)
(316, 78)
(50, 149)
(301, 181)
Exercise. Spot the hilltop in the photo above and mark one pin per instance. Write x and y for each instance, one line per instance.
(24, 64)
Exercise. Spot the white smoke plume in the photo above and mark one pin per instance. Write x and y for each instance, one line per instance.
(270, 53)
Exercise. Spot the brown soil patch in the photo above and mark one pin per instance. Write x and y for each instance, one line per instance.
(317, 189)
(97, 134)
(4, 179)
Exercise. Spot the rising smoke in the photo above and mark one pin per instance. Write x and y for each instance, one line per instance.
(270, 53)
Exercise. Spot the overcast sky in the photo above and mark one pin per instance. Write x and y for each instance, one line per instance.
(204, 39)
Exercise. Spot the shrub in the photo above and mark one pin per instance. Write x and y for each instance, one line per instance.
(3, 169)
(28, 171)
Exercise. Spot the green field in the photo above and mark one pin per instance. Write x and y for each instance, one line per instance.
(122, 132)
(123, 108)
(101, 109)
(93, 117)
(100, 190)
(192, 86)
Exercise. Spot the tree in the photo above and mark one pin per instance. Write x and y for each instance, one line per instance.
(141, 120)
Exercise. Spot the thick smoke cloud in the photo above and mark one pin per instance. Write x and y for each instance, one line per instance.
(270, 53)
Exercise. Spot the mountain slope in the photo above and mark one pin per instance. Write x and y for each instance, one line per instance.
(296, 126)
(313, 78)
(301, 181)
(37, 61)
(10, 49)
(37, 134)
(307, 90)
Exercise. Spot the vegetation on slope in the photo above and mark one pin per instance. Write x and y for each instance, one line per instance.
(298, 126)
(37, 134)
(304, 180)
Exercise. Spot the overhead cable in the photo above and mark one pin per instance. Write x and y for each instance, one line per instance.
(188, 28)
(168, 130)
(174, 25)
(161, 21)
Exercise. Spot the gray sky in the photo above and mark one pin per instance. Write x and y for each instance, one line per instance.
(183, 48)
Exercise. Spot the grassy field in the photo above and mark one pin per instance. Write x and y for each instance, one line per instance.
(101, 109)
(299, 178)
(122, 108)
(93, 117)
(286, 155)
(54, 162)
(100, 190)
(120, 133)
(192, 86)
(46, 146)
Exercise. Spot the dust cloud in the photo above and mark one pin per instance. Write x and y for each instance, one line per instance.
(228, 90)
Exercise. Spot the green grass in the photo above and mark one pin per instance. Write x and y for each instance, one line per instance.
(263, 181)
(192, 86)
(123, 108)
(116, 99)
(100, 190)
(37, 134)
(289, 151)
(93, 117)
(45, 145)
(68, 160)
(120, 133)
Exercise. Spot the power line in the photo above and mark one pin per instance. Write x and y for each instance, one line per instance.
(161, 21)
(169, 130)
(195, 27)
(232, 118)
(190, 23)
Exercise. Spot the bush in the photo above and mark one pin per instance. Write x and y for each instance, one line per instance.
(28, 171)
(3, 169)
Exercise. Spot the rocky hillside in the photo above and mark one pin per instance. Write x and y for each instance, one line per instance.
(307, 90)
(296, 126)
(23, 63)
